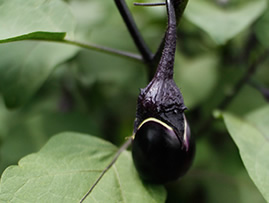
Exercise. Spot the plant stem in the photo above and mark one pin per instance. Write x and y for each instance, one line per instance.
(133, 30)
(179, 9)
(120, 150)
(104, 49)
(165, 67)
(150, 59)
(94, 47)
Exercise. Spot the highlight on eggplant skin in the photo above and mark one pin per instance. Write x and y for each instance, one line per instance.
(158, 154)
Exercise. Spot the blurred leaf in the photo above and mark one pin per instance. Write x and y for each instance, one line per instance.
(116, 76)
(222, 187)
(34, 19)
(253, 147)
(97, 18)
(25, 66)
(27, 134)
(260, 120)
(247, 100)
(26, 129)
(261, 29)
(65, 169)
(222, 24)
(249, 192)
(90, 16)
(196, 78)
(217, 176)
(265, 93)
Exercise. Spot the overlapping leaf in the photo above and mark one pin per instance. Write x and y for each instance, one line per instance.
(253, 143)
(222, 24)
(66, 168)
(196, 78)
(24, 67)
(34, 19)
(261, 29)
(27, 129)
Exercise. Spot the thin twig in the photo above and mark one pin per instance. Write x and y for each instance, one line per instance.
(121, 149)
(133, 30)
(151, 60)
(93, 47)
(104, 49)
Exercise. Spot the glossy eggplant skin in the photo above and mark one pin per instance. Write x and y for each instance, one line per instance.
(159, 155)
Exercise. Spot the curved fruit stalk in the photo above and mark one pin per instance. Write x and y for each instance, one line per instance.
(162, 146)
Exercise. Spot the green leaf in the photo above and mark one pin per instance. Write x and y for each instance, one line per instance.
(261, 29)
(116, 76)
(219, 187)
(38, 36)
(196, 78)
(252, 100)
(25, 66)
(35, 19)
(65, 169)
(253, 147)
(28, 131)
(218, 174)
(222, 24)
(260, 120)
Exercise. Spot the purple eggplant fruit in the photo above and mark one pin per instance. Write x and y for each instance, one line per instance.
(162, 146)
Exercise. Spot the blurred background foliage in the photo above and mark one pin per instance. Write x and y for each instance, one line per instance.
(96, 93)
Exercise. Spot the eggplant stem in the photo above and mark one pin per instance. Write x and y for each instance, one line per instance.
(165, 68)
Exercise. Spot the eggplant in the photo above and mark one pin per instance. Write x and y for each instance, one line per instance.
(162, 147)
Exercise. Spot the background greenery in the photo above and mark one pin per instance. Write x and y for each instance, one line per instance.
(50, 87)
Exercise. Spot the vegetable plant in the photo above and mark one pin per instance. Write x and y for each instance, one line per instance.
(74, 128)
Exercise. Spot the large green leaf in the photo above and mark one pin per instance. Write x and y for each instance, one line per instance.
(253, 144)
(222, 24)
(67, 166)
(34, 19)
(24, 67)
